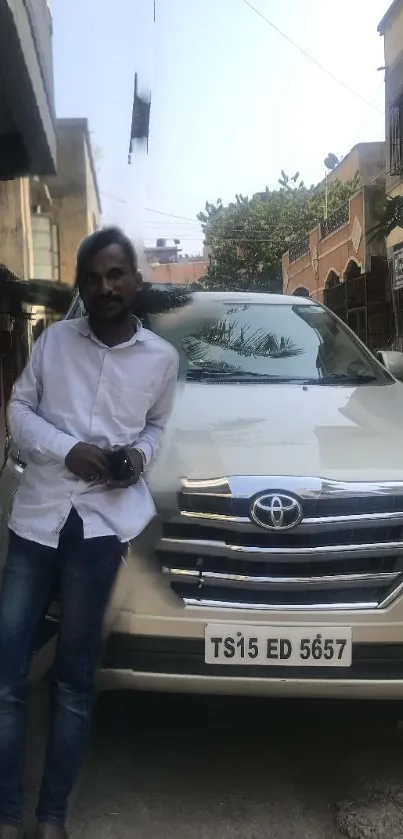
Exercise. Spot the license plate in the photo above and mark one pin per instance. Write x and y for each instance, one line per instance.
(279, 646)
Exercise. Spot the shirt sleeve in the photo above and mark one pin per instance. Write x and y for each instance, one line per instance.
(150, 439)
(29, 431)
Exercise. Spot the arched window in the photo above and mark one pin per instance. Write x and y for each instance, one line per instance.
(301, 291)
(352, 271)
(332, 280)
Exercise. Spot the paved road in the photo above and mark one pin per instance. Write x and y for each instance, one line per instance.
(181, 768)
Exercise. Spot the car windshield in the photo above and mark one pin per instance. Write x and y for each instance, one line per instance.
(279, 343)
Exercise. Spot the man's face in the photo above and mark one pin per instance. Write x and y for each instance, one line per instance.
(109, 288)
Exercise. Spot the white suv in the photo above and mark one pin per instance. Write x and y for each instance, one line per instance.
(275, 565)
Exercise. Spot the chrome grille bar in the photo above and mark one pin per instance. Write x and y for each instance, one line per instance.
(205, 603)
(265, 583)
(246, 486)
(210, 547)
(315, 524)
(348, 546)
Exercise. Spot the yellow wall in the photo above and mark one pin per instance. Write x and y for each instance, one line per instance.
(15, 227)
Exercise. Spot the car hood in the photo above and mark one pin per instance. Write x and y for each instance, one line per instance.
(339, 433)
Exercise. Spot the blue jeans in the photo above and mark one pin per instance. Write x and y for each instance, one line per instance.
(84, 571)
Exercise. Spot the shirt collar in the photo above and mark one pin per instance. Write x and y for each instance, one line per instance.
(84, 328)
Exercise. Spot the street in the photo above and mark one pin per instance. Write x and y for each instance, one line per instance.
(183, 767)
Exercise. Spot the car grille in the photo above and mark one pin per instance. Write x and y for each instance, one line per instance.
(347, 552)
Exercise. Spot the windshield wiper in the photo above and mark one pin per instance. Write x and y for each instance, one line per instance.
(212, 374)
(224, 375)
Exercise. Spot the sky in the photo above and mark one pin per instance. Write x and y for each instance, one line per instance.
(232, 101)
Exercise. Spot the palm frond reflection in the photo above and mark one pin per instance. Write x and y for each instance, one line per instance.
(241, 340)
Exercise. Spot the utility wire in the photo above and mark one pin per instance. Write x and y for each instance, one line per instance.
(230, 233)
(311, 57)
(172, 215)
(368, 113)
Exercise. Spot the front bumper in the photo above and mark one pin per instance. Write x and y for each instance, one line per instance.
(177, 665)
(156, 643)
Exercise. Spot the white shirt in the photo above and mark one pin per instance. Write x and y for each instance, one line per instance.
(76, 389)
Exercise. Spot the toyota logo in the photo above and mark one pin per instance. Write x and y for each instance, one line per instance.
(275, 511)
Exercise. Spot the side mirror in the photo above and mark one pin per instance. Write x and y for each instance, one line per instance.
(392, 361)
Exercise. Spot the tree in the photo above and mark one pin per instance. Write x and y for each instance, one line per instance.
(248, 237)
(388, 217)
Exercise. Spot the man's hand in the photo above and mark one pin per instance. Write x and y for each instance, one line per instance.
(137, 463)
(88, 462)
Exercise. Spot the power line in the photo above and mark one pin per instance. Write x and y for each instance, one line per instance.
(311, 57)
(172, 215)
(173, 226)
(363, 121)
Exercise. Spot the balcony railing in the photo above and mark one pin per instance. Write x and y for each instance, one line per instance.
(336, 220)
(298, 249)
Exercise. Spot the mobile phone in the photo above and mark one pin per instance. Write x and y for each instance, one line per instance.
(120, 465)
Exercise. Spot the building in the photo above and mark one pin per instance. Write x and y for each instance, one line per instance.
(161, 253)
(391, 28)
(65, 207)
(182, 273)
(58, 212)
(170, 268)
(27, 148)
(27, 120)
(27, 115)
(338, 264)
(368, 159)
(55, 212)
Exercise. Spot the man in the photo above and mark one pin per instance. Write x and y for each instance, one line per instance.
(92, 386)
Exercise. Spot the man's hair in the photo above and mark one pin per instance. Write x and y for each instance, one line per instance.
(97, 242)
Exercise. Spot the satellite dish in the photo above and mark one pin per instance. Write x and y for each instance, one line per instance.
(331, 161)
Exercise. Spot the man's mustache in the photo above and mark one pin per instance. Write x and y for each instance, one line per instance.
(106, 298)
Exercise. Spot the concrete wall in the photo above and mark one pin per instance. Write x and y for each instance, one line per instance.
(92, 196)
(366, 158)
(15, 227)
(69, 207)
(393, 34)
(75, 199)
